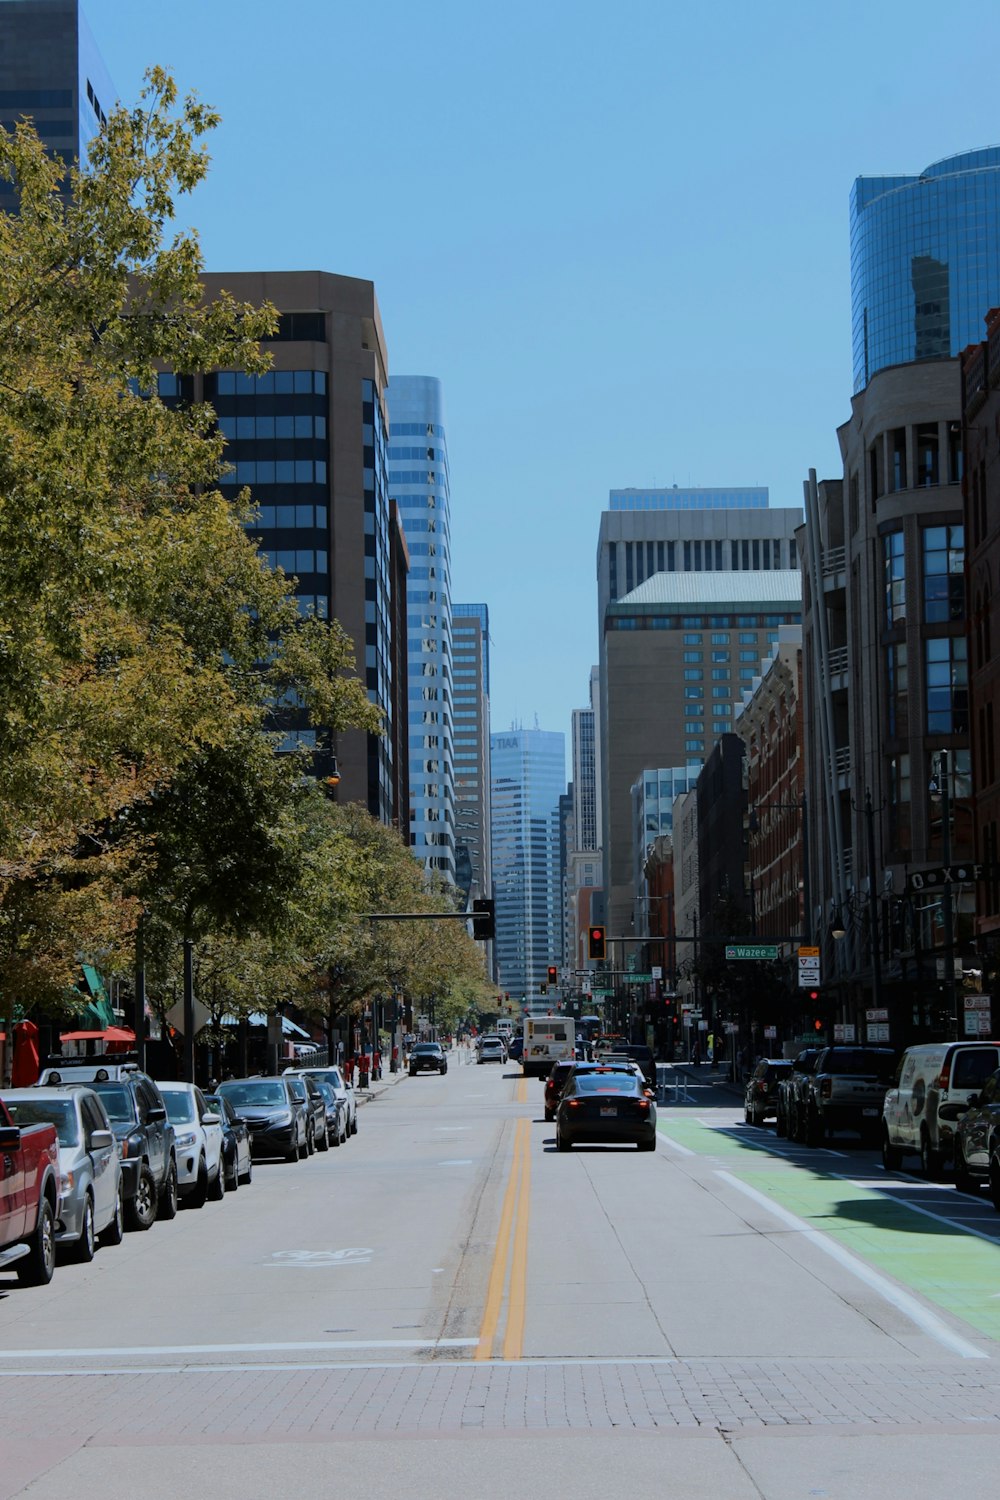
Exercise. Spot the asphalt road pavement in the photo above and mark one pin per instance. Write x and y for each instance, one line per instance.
(448, 1306)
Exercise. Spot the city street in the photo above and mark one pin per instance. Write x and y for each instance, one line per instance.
(734, 1316)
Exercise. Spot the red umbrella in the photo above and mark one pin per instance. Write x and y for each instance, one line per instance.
(113, 1034)
(25, 1069)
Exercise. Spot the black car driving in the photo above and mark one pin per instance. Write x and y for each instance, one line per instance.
(428, 1057)
(602, 1105)
(276, 1120)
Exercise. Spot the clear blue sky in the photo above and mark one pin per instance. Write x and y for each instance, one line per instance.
(616, 231)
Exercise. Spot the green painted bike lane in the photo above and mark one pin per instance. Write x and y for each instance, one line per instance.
(953, 1269)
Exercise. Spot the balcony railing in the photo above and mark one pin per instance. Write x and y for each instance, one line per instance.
(834, 561)
(836, 661)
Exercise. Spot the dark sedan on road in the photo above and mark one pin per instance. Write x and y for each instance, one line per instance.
(276, 1121)
(761, 1097)
(606, 1106)
(236, 1158)
(428, 1057)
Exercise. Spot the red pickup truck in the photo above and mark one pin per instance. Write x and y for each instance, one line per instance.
(29, 1199)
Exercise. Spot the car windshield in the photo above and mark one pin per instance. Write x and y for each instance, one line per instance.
(297, 1089)
(254, 1093)
(429, 1048)
(117, 1100)
(606, 1083)
(180, 1106)
(58, 1112)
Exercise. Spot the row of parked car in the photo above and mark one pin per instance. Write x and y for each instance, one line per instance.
(97, 1147)
(939, 1101)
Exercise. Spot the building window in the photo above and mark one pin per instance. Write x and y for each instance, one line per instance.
(898, 692)
(694, 692)
(694, 745)
(720, 655)
(720, 639)
(928, 471)
(899, 802)
(720, 674)
(693, 674)
(897, 458)
(947, 686)
(944, 573)
(692, 656)
(894, 565)
(720, 692)
(692, 640)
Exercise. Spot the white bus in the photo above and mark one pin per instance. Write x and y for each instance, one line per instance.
(547, 1039)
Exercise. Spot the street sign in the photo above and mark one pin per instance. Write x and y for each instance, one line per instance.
(771, 1032)
(175, 1016)
(751, 950)
(876, 1015)
(657, 972)
(638, 978)
(843, 1031)
(877, 1031)
(976, 1002)
(941, 875)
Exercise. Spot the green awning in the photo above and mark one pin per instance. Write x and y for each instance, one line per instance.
(95, 1013)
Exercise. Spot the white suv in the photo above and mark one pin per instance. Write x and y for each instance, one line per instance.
(198, 1133)
(933, 1086)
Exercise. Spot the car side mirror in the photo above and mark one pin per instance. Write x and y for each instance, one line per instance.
(100, 1140)
(156, 1115)
(211, 1118)
(10, 1137)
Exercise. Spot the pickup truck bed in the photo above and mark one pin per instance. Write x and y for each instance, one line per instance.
(29, 1199)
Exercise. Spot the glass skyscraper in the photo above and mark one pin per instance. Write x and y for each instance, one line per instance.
(925, 261)
(419, 484)
(470, 626)
(529, 778)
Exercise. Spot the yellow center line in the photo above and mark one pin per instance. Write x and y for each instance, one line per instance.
(498, 1271)
(522, 1091)
(514, 1333)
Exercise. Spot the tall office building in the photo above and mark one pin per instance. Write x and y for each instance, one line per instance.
(309, 438)
(529, 778)
(471, 656)
(925, 261)
(690, 553)
(52, 73)
(419, 485)
(678, 652)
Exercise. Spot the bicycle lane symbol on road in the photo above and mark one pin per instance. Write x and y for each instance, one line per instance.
(311, 1259)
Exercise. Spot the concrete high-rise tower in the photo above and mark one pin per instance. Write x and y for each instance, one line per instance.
(419, 485)
(529, 778)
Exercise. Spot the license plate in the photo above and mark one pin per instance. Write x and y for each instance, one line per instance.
(869, 1111)
(609, 1109)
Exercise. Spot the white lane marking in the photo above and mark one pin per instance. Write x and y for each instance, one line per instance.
(458, 1161)
(894, 1295)
(395, 1364)
(954, 1221)
(676, 1145)
(125, 1351)
(452, 1127)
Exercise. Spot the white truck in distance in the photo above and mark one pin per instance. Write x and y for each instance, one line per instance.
(547, 1039)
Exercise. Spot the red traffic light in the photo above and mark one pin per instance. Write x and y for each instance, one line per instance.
(595, 942)
(553, 974)
(817, 1025)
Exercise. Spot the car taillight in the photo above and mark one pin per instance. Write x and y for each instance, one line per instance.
(826, 1087)
(643, 1103)
(761, 1086)
(942, 1080)
(573, 1103)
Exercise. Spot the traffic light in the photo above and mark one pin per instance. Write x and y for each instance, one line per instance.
(553, 974)
(543, 989)
(484, 927)
(595, 942)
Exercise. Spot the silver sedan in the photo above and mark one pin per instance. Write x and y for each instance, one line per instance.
(90, 1168)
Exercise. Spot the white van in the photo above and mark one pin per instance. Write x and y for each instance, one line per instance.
(934, 1083)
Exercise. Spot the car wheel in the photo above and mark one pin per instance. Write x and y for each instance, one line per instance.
(247, 1176)
(168, 1198)
(86, 1245)
(323, 1144)
(780, 1128)
(232, 1177)
(746, 1114)
(140, 1211)
(293, 1153)
(114, 1233)
(646, 1145)
(311, 1141)
(549, 1114)
(217, 1186)
(354, 1125)
(36, 1268)
(199, 1193)
(892, 1157)
(930, 1162)
(995, 1180)
(815, 1133)
(562, 1144)
(964, 1180)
